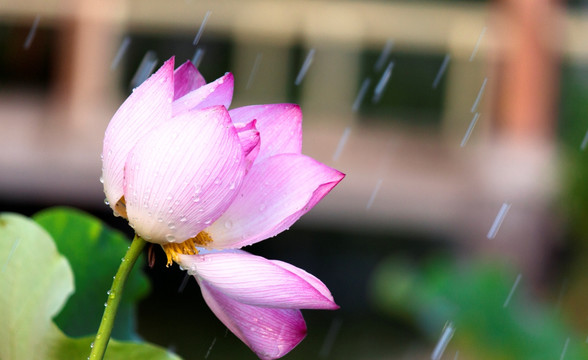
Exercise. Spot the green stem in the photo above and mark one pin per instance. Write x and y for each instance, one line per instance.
(114, 296)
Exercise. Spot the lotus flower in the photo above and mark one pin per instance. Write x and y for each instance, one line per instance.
(203, 181)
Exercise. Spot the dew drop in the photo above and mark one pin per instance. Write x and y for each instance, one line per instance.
(262, 207)
(232, 186)
(106, 202)
(101, 179)
(228, 224)
(171, 226)
(195, 198)
(207, 221)
(170, 237)
(159, 220)
(183, 219)
(91, 346)
(108, 292)
(105, 304)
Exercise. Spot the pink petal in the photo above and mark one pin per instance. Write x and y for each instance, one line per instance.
(183, 175)
(218, 92)
(147, 107)
(250, 140)
(187, 78)
(270, 333)
(254, 280)
(280, 126)
(275, 193)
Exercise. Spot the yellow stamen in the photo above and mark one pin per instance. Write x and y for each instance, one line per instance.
(188, 247)
(120, 208)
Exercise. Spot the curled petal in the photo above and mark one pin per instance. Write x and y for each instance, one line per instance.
(218, 92)
(146, 108)
(280, 126)
(270, 333)
(183, 175)
(187, 78)
(275, 193)
(250, 140)
(254, 280)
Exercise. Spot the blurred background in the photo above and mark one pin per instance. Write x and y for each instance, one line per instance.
(461, 126)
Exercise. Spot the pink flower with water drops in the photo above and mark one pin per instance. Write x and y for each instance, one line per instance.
(202, 181)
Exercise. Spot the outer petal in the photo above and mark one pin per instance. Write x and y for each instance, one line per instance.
(183, 175)
(187, 78)
(218, 92)
(147, 107)
(280, 126)
(250, 140)
(254, 280)
(275, 193)
(270, 333)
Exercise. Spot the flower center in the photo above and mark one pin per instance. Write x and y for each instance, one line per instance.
(188, 247)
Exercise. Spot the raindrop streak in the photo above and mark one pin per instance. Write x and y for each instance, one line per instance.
(122, 49)
(384, 55)
(184, 283)
(145, 68)
(478, 44)
(199, 34)
(563, 353)
(584, 142)
(479, 95)
(210, 348)
(14, 245)
(469, 131)
(374, 193)
(383, 82)
(443, 341)
(362, 90)
(498, 221)
(254, 70)
(330, 338)
(197, 58)
(441, 70)
(305, 67)
(31, 35)
(342, 143)
(512, 290)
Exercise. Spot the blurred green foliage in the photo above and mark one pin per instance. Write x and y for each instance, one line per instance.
(473, 296)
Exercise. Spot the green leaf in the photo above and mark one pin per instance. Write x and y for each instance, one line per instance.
(67, 348)
(94, 251)
(35, 282)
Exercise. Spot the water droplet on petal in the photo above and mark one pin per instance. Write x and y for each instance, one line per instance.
(195, 198)
(106, 202)
(101, 179)
(228, 224)
(262, 207)
(207, 221)
(171, 225)
(183, 219)
(159, 220)
(170, 237)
